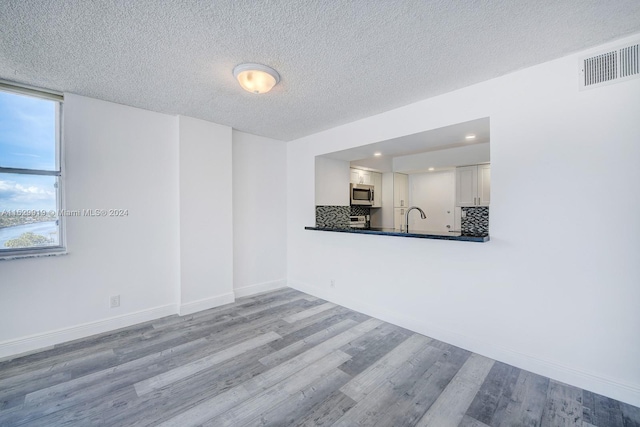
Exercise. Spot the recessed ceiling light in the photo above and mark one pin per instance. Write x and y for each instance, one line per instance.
(432, 169)
(377, 154)
(470, 137)
(256, 78)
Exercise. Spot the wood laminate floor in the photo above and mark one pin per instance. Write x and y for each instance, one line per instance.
(284, 358)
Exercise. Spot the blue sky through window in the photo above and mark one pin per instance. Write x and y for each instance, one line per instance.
(28, 141)
(27, 192)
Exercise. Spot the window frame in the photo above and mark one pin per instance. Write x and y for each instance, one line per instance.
(61, 247)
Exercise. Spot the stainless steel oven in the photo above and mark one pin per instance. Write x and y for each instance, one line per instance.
(361, 194)
(358, 221)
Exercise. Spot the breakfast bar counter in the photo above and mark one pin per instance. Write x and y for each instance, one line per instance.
(439, 235)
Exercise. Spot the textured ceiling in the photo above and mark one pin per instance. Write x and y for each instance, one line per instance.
(340, 60)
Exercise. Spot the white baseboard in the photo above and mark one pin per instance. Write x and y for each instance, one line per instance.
(246, 291)
(41, 341)
(206, 303)
(613, 388)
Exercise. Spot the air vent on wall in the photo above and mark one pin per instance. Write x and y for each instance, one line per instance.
(629, 61)
(614, 66)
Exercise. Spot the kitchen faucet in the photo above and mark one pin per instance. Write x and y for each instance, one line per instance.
(406, 221)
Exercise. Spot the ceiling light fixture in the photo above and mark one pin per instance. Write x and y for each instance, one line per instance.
(256, 78)
(432, 169)
(470, 137)
(377, 154)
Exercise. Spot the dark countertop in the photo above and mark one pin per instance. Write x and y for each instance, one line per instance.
(419, 234)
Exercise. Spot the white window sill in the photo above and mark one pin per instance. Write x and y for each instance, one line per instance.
(14, 255)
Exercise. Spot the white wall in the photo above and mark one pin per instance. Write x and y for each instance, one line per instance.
(556, 290)
(206, 233)
(435, 194)
(178, 248)
(381, 163)
(259, 213)
(116, 157)
(458, 156)
(332, 178)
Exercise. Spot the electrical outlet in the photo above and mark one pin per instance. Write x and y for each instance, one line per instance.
(333, 283)
(114, 301)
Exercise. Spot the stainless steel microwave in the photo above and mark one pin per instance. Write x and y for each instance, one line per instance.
(361, 194)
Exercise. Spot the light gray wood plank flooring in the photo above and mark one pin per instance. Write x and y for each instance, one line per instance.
(284, 358)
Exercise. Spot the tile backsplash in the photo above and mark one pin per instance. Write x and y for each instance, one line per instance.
(338, 216)
(333, 216)
(360, 210)
(475, 220)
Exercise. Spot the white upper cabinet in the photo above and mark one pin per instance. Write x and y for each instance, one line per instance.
(466, 186)
(473, 185)
(361, 177)
(484, 185)
(355, 176)
(400, 190)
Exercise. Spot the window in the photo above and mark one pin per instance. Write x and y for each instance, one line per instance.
(30, 172)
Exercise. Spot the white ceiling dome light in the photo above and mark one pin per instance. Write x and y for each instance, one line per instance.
(256, 78)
